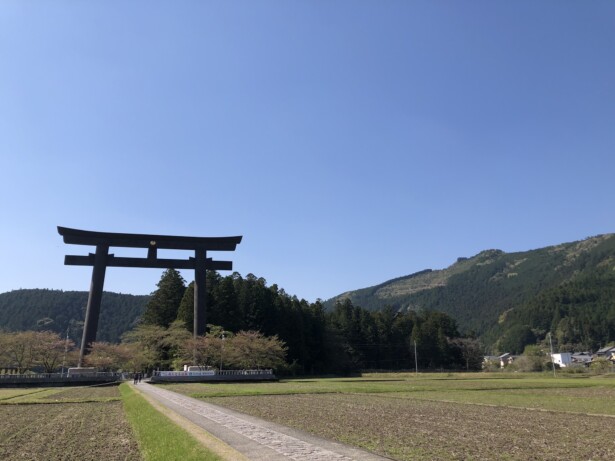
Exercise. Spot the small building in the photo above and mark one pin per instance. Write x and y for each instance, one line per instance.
(582, 358)
(490, 361)
(606, 352)
(506, 359)
(563, 359)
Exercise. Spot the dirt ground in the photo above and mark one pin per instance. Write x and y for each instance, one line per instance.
(84, 393)
(66, 431)
(410, 429)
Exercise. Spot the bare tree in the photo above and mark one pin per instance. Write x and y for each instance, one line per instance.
(19, 349)
(108, 357)
(49, 350)
(251, 349)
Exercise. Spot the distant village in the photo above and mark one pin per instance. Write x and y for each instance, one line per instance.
(560, 359)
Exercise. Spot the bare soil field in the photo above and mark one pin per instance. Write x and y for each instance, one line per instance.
(409, 429)
(85, 393)
(67, 431)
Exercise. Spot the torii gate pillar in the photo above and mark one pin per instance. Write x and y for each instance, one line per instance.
(92, 311)
(200, 294)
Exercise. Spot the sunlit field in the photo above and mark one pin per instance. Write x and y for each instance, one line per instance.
(403, 416)
(439, 416)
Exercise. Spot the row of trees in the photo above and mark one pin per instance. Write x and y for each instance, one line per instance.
(174, 347)
(24, 350)
(252, 325)
(144, 348)
(48, 352)
(389, 339)
(346, 338)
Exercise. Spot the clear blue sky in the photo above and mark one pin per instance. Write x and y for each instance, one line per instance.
(349, 142)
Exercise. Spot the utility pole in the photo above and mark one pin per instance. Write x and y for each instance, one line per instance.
(416, 362)
(65, 349)
(552, 362)
(222, 349)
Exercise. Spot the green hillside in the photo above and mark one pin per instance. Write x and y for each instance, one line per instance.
(507, 299)
(580, 314)
(57, 310)
(493, 290)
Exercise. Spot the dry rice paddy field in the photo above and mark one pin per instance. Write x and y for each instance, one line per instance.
(81, 423)
(402, 416)
(440, 417)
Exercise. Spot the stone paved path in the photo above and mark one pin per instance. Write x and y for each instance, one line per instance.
(255, 438)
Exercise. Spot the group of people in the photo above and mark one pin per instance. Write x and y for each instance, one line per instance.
(137, 378)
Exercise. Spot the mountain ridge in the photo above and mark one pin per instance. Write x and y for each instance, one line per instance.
(477, 290)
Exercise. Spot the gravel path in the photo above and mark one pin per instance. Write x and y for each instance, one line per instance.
(254, 438)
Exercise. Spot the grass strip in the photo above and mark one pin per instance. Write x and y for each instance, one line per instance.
(158, 437)
(7, 394)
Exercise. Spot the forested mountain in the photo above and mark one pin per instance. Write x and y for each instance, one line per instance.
(507, 300)
(580, 315)
(346, 339)
(566, 288)
(57, 310)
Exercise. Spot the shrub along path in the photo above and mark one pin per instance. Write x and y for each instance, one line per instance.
(255, 438)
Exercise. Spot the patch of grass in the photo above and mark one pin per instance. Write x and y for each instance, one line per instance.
(159, 438)
(393, 382)
(31, 397)
(77, 394)
(297, 386)
(11, 393)
(585, 400)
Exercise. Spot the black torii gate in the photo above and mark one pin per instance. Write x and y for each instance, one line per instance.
(103, 259)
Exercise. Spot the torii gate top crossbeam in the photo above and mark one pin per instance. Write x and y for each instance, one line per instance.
(113, 239)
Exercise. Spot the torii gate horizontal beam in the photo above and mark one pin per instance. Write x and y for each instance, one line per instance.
(119, 261)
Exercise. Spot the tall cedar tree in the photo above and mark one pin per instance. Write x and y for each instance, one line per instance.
(163, 306)
(185, 314)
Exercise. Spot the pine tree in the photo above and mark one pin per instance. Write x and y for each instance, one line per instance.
(163, 306)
